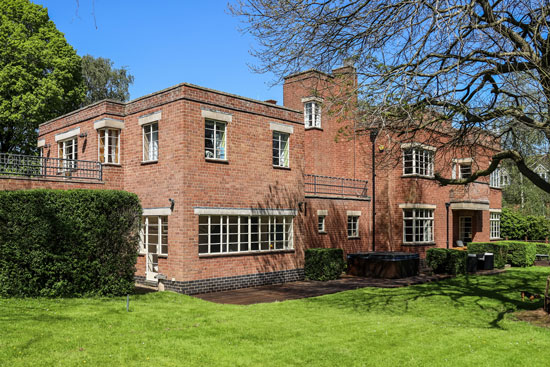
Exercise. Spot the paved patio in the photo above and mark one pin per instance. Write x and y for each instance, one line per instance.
(304, 289)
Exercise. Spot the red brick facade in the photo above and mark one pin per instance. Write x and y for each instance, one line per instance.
(247, 179)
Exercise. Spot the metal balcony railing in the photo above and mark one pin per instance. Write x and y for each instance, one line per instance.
(33, 167)
(335, 186)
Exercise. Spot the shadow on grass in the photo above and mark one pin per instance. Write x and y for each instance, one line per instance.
(496, 294)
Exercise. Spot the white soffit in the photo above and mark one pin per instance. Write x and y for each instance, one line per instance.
(215, 115)
(41, 143)
(67, 135)
(152, 117)
(322, 212)
(312, 99)
(157, 211)
(353, 213)
(109, 122)
(277, 126)
(417, 145)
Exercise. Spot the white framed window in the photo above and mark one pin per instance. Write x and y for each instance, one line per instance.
(215, 139)
(154, 235)
(108, 145)
(464, 170)
(495, 225)
(280, 149)
(321, 223)
(312, 114)
(220, 234)
(150, 142)
(542, 172)
(418, 161)
(465, 229)
(68, 151)
(494, 179)
(418, 225)
(353, 226)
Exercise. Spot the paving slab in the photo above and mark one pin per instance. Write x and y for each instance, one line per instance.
(305, 289)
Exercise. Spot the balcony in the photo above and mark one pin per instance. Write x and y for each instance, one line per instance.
(44, 167)
(335, 187)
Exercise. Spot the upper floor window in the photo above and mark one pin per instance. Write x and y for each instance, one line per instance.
(464, 170)
(312, 114)
(499, 178)
(109, 143)
(418, 160)
(542, 172)
(215, 139)
(151, 142)
(280, 149)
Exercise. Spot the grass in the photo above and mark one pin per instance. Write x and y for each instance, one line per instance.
(466, 321)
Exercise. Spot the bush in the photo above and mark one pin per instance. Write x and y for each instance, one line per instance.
(449, 261)
(543, 248)
(68, 243)
(499, 250)
(521, 253)
(517, 226)
(324, 263)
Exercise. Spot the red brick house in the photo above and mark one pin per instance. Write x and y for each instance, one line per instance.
(234, 190)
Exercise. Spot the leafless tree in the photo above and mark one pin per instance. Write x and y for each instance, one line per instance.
(482, 67)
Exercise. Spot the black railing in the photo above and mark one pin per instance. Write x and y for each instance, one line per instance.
(33, 166)
(334, 186)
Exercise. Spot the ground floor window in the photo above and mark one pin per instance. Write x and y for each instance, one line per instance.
(232, 233)
(465, 229)
(495, 225)
(154, 235)
(418, 225)
(353, 226)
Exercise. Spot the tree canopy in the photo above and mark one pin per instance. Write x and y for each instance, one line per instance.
(40, 74)
(103, 81)
(482, 65)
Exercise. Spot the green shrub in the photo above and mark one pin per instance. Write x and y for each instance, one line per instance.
(68, 243)
(543, 248)
(521, 253)
(324, 263)
(448, 261)
(499, 250)
(517, 226)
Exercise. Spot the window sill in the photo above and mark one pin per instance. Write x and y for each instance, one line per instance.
(216, 160)
(249, 253)
(144, 163)
(111, 164)
(418, 244)
(314, 128)
(283, 168)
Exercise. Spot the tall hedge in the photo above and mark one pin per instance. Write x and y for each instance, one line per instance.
(521, 253)
(543, 248)
(499, 250)
(517, 226)
(68, 243)
(324, 263)
(449, 261)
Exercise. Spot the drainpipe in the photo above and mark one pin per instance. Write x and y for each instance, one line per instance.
(447, 205)
(373, 134)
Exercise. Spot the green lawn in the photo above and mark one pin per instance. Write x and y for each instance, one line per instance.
(463, 321)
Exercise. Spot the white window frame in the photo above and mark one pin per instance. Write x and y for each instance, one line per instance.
(460, 170)
(281, 143)
(495, 179)
(494, 221)
(421, 224)
(150, 151)
(236, 240)
(162, 234)
(419, 161)
(321, 223)
(216, 127)
(353, 226)
(69, 159)
(107, 143)
(312, 114)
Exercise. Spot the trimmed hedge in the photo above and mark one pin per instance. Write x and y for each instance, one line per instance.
(517, 226)
(499, 249)
(521, 253)
(543, 248)
(57, 243)
(324, 263)
(449, 261)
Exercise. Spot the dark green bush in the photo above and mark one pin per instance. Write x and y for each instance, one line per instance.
(517, 226)
(449, 261)
(324, 263)
(543, 248)
(521, 253)
(499, 249)
(68, 243)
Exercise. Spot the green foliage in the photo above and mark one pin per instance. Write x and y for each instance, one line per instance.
(499, 250)
(103, 81)
(522, 195)
(68, 243)
(40, 74)
(517, 226)
(521, 253)
(543, 248)
(447, 261)
(324, 263)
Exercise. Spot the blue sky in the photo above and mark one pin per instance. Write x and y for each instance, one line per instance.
(163, 43)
